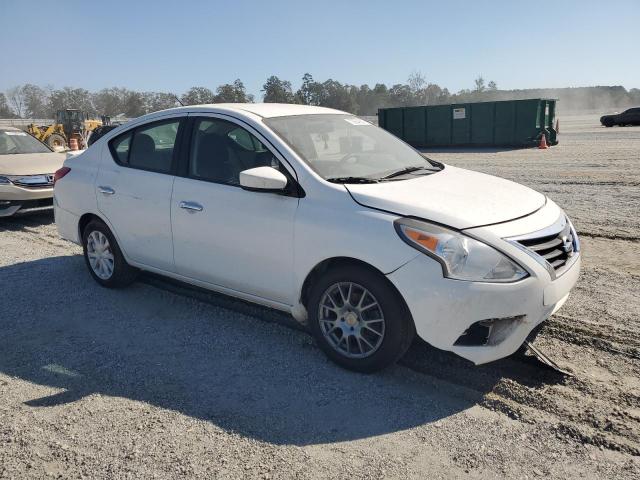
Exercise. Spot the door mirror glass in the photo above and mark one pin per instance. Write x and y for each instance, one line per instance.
(263, 179)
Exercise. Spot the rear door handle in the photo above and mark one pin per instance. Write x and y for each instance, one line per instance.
(106, 190)
(191, 206)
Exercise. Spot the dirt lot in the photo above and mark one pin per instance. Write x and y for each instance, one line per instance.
(159, 380)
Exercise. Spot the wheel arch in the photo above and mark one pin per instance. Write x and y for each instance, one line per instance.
(301, 309)
(84, 220)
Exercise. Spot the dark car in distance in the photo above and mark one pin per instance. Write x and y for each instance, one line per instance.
(628, 117)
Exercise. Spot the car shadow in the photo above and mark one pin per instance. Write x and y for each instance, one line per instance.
(221, 363)
(28, 219)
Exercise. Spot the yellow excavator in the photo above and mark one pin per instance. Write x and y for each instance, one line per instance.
(70, 123)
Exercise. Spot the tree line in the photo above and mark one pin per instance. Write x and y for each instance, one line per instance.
(33, 101)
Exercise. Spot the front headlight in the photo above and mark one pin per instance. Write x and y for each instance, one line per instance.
(4, 181)
(461, 257)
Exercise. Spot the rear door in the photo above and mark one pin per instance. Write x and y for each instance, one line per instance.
(134, 187)
(225, 235)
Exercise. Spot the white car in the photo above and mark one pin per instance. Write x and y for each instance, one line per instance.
(318, 213)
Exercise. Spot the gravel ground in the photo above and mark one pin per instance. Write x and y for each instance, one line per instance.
(162, 381)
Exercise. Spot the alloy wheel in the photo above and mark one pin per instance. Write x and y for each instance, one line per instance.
(351, 320)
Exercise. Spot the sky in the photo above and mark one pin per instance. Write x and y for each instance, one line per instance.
(172, 45)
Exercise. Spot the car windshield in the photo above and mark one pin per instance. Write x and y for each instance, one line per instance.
(345, 148)
(16, 141)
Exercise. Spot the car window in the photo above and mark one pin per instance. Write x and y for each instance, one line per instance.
(148, 147)
(220, 150)
(15, 141)
(341, 146)
(120, 148)
(152, 146)
(246, 140)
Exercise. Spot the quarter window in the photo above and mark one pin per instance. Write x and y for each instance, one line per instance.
(220, 150)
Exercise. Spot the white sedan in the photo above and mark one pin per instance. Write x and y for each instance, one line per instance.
(320, 214)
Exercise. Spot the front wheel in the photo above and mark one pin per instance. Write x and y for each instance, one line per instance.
(359, 320)
(104, 257)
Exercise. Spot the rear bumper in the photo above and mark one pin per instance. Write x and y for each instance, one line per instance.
(444, 310)
(66, 223)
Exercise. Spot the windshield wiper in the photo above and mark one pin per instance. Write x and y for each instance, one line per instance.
(403, 171)
(352, 180)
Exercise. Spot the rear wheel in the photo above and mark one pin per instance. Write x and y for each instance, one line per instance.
(104, 257)
(359, 320)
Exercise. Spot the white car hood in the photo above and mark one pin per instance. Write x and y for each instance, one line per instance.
(455, 197)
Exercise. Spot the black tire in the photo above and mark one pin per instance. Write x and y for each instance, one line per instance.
(56, 139)
(399, 329)
(123, 274)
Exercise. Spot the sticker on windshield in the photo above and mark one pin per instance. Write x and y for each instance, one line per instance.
(15, 134)
(356, 121)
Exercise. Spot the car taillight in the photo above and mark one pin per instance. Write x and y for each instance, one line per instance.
(60, 173)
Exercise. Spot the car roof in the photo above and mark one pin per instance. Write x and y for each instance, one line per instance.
(253, 111)
(264, 110)
(268, 110)
(10, 129)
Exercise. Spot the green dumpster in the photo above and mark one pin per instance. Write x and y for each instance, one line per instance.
(519, 123)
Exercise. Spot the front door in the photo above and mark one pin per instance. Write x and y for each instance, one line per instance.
(133, 189)
(222, 234)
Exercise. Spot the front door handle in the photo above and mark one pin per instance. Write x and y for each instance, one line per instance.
(106, 190)
(191, 206)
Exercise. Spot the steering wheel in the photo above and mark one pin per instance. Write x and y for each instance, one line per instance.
(348, 156)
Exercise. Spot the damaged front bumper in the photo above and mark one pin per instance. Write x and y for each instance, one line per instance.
(483, 321)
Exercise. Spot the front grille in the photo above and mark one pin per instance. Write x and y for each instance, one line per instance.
(556, 249)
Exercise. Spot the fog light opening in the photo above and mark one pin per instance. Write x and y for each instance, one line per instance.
(489, 332)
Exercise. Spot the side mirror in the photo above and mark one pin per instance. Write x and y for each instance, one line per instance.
(263, 179)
